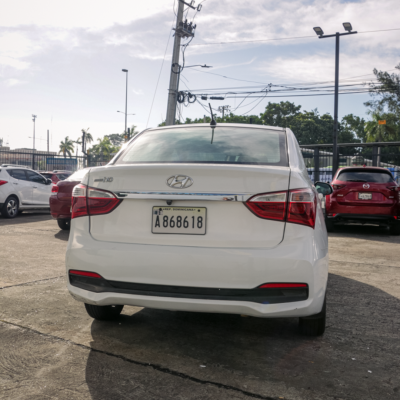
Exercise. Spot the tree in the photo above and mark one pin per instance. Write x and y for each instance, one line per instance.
(385, 93)
(66, 147)
(376, 132)
(355, 125)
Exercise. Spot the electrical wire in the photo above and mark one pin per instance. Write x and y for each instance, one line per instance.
(159, 75)
(287, 38)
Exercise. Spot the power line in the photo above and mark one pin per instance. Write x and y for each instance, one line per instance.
(159, 75)
(287, 38)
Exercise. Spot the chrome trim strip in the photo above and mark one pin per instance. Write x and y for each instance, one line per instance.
(183, 196)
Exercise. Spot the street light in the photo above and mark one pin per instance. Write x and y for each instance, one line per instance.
(126, 98)
(124, 113)
(347, 26)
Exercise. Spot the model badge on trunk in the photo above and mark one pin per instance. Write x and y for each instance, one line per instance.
(179, 181)
(110, 179)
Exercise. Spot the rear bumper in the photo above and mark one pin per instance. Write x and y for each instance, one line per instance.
(299, 258)
(363, 218)
(59, 209)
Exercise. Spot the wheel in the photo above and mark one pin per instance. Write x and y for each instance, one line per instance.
(64, 224)
(315, 324)
(10, 208)
(330, 226)
(103, 313)
(395, 229)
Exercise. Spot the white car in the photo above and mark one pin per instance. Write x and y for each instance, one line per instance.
(22, 189)
(194, 218)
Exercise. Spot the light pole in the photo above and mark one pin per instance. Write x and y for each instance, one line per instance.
(347, 26)
(126, 98)
(33, 119)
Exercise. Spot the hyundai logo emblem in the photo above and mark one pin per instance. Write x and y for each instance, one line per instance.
(179, 181)
(366, 186)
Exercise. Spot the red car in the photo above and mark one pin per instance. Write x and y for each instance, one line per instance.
(367, 195)
(61, 198)
(56, 176)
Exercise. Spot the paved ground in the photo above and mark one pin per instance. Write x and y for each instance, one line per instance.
(51, 349)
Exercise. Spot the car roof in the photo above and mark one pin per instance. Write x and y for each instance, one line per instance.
(221, 125)
(364, 168)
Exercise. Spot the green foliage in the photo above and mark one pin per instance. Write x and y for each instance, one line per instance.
(385, 93)
(379, 133)
(66, 147)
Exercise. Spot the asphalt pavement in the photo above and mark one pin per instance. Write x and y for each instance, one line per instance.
(51, 349)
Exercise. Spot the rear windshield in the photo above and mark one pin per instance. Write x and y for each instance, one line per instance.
(63, 176)
(198, 145)
(77, 176)
(365, 176)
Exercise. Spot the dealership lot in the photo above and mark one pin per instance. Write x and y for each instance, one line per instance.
(51, 348)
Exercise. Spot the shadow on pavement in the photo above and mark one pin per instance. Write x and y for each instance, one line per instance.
(363, 323)
(368, 232)
(62, 235)
(26, 217)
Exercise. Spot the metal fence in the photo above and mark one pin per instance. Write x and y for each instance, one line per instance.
(319, 158)
(42, 161)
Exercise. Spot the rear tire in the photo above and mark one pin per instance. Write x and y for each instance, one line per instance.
(395, 229)
(103, 313)
(64, 224)
(10, 208)
(330, 226)
(315, 324)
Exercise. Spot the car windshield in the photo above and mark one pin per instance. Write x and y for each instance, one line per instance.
(228, 145)
(365, 176)
(77, 176)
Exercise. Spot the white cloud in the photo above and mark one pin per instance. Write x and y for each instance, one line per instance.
(13, 82)
(321, 67)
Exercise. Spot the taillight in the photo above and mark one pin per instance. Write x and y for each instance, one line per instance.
(92, 201)
(337, 187)
(54, 190)
(296, 206)
(3, 182)
(269, 205)
(302, 207)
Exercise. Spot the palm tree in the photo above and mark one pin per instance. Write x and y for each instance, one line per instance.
(66, 147)
(376, 132)
(105, 147)
(88, 136)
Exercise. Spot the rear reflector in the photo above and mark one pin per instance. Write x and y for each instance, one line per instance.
(92, 201)
(283, 285)
(296, 206)
(3, 182)
(85, 273)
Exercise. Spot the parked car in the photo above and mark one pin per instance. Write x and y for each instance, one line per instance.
(56, 176)
(61, 197)
(366, 195)
(191, 218)
(22, 189)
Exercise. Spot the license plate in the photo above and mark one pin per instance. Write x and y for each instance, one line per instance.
(179, 220)
(365, 196)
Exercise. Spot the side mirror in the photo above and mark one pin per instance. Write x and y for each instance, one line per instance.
(323, 188)
(48, 181)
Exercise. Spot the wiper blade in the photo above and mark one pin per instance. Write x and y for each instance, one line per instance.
(356, 180)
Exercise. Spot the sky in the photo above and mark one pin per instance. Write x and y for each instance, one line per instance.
(62, 61)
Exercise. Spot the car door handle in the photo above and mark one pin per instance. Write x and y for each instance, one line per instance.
(15, 183)
(35, 187)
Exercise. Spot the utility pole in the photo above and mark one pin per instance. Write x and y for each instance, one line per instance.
(126, 98)
(48, 145)
(172, 94)
(222, 109)
(33, 119)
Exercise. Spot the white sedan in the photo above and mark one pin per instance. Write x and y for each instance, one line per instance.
(202, 219)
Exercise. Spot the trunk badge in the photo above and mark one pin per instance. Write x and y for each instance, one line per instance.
(179, 181)
(366, 186)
